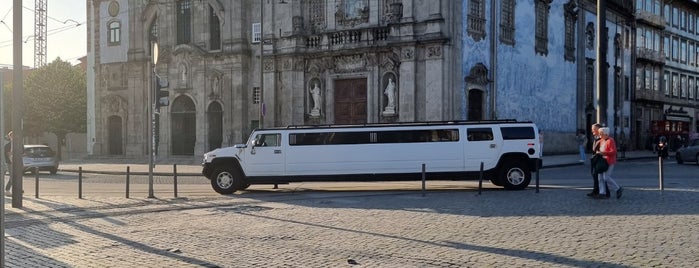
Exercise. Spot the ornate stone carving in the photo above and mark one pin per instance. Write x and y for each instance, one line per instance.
(407, 53)
(478, 75)
(590, 34)
(268, 65)
(353, 63)
(114, 104)
(434, 52)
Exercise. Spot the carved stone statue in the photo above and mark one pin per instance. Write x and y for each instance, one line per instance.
(390, 92)
(315, 94)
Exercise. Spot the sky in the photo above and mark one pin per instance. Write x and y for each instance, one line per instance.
(65, 40)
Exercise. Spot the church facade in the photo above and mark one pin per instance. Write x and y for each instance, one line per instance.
(233, 66)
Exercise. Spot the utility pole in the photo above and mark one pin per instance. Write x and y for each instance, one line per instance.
(17, 106)
(602, 68)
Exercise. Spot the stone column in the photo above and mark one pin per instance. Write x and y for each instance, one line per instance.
(434, 83)
(406, 92)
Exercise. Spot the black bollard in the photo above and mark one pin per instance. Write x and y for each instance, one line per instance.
(480, 180)
(128, 175)
(80, 182)
(36, 182)
(423, 179)
(174, 170)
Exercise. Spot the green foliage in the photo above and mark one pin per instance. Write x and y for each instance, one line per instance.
(55, 98)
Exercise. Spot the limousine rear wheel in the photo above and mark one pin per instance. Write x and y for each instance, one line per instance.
(515, 175)
(227, 180)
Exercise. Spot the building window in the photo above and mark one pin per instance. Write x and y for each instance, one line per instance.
(675, 85)
(542, 26)
(316, 12)
(675, 49)
(639, 77)
(668, 16)
(214, 30)
(683, 51)
(683, 86)
(675, 17)
(476, 19)
(667, 48)
(690, 86)
(648, 77)
(256, 95)
(114, 33)
(256, 33)
(570, 17)
(656, 78)
(666, 78)
(507, 22)
(184, 23)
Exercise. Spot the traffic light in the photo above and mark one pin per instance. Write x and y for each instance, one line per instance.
(161, 93)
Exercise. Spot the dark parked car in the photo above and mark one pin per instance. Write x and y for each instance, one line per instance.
(40, 156)
(689, 153)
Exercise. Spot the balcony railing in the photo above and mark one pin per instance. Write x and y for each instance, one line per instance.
(330, 40)
(649, 54)
(650, 18)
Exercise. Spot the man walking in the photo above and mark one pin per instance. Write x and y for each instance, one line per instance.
(8, 163)
(595, 149)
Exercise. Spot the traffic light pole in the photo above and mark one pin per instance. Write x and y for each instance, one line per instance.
(151, 127)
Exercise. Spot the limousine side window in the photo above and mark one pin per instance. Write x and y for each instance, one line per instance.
(268, 140)
(364, 137)
(517, 133)
(479, 134)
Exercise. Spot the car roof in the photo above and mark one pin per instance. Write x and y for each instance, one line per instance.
(35, 146)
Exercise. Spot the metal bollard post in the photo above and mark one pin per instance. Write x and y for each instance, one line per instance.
(660, 172)
(423, 179)
(80, 182)
(480, 180)
(538, 171)
(174, 170)
(36, 182)
(128, 175)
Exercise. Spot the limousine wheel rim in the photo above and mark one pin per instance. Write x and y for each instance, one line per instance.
(515, 176)
(224, 180)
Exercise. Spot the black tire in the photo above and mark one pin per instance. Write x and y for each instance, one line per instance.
(515, 175)
(678, 157)
(227, 180)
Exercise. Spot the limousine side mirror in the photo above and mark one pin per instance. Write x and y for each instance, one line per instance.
(240, 146)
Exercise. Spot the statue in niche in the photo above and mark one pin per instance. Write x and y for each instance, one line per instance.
(216, 86)
(390, 92)
(315, 94)
(183, 74)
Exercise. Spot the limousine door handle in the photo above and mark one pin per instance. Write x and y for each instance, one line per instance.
(277, 151)
(492, 145)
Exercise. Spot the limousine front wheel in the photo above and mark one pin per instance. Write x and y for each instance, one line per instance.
(515, 175)
(227, 180)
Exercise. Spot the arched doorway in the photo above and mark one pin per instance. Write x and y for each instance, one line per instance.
(215, 118)
(114, 135)
(183, 126)
(475, 104)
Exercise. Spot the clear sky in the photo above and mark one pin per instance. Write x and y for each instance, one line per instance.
(65, 40)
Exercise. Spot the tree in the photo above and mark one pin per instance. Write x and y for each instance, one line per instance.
(55, 101)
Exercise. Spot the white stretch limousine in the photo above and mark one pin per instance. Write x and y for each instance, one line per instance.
(508, 149)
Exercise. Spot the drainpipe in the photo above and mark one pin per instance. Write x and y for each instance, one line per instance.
(493, 59)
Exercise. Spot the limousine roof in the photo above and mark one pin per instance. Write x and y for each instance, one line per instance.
(431, 123)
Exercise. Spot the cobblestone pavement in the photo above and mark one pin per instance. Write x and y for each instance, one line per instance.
(299, 228)
(370, 224)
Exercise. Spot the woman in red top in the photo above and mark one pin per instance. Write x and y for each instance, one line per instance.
(608, 151)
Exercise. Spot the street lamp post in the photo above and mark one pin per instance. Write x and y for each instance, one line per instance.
(151, 127)
(262, 80)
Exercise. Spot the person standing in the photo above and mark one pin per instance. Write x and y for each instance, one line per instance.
(607, 149)
(582, 142)
(8, 163)
(595, 148)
